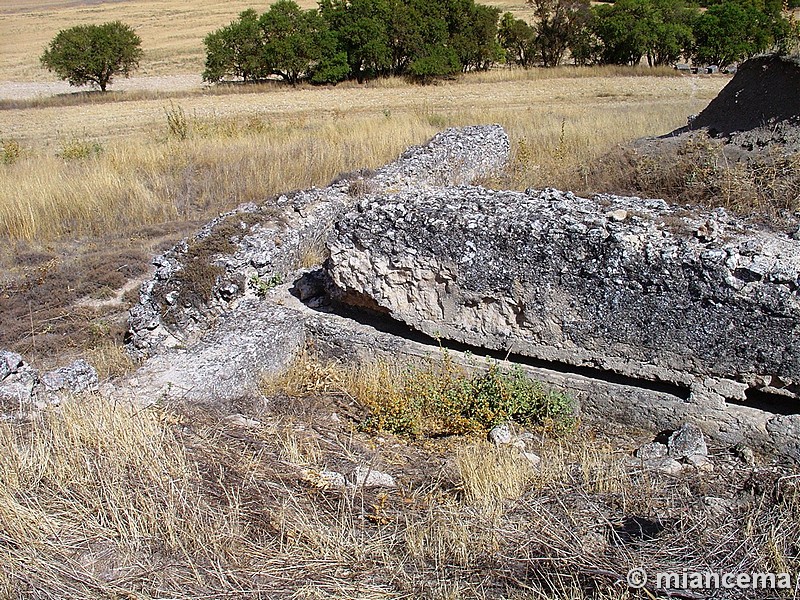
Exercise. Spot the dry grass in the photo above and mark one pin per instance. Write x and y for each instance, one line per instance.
(220, 165)
(699, 170)
(97, 479)
(102, 500)
(103, 166)
(491, 477)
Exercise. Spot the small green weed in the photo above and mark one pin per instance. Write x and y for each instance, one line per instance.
(262, 286)
(177, 124)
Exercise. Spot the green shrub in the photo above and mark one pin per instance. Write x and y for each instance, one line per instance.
(443, 399)
(77, 149)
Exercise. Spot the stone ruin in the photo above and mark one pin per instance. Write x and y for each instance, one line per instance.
(649, 314)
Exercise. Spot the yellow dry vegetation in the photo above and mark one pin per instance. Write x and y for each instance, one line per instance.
(103, 167)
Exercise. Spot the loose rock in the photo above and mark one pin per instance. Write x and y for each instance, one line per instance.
(367, 477)
(500, 434)
(687, 441)
(652, 450)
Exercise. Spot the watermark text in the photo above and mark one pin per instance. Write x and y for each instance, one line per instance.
(638, 577)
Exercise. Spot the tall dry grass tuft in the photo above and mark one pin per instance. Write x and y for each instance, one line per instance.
(110, 359)
(221, 163)
(492, 476)
(91, 473)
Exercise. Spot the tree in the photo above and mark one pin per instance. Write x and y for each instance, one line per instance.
(93, 54)
(584, 45)
(625, 30)
(295, 41)
(558, 24)
(732, 31)
(473, 33)
(661, 30)
(362, 34)
(236, 50)
(518, 39)
(672, 29)
(439, 61)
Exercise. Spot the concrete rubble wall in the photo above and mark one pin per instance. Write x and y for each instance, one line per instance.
(202, 276)
(649, 314)
(703, 301)
(208, 322)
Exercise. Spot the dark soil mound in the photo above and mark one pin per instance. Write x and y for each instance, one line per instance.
(762, 93)
(742, 152)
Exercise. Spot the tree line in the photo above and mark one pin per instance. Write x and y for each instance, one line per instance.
(355, 39)
(427, 39)
(424, 39)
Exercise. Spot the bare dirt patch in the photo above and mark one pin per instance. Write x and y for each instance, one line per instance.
(60, 300)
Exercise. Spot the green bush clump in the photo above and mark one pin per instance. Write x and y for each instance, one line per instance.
(443, 399)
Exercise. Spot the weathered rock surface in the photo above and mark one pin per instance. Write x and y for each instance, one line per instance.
(694, 299)
(500, 434)
(77, 377)
(365, 476)
(23, 390)
(686, 442)
(253, 340)
(9, 363)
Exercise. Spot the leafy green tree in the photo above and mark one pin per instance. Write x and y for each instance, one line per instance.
(332, 68)
(732, 31)
(672, 32)
(625, 30)
(93, 53)
(661, 30)
(294, 40)
(473, 33)
(407, 27)
(584, 45)
(236, 50)
(518, 39)
(362, 34)
(439, 61)
(557, 24)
